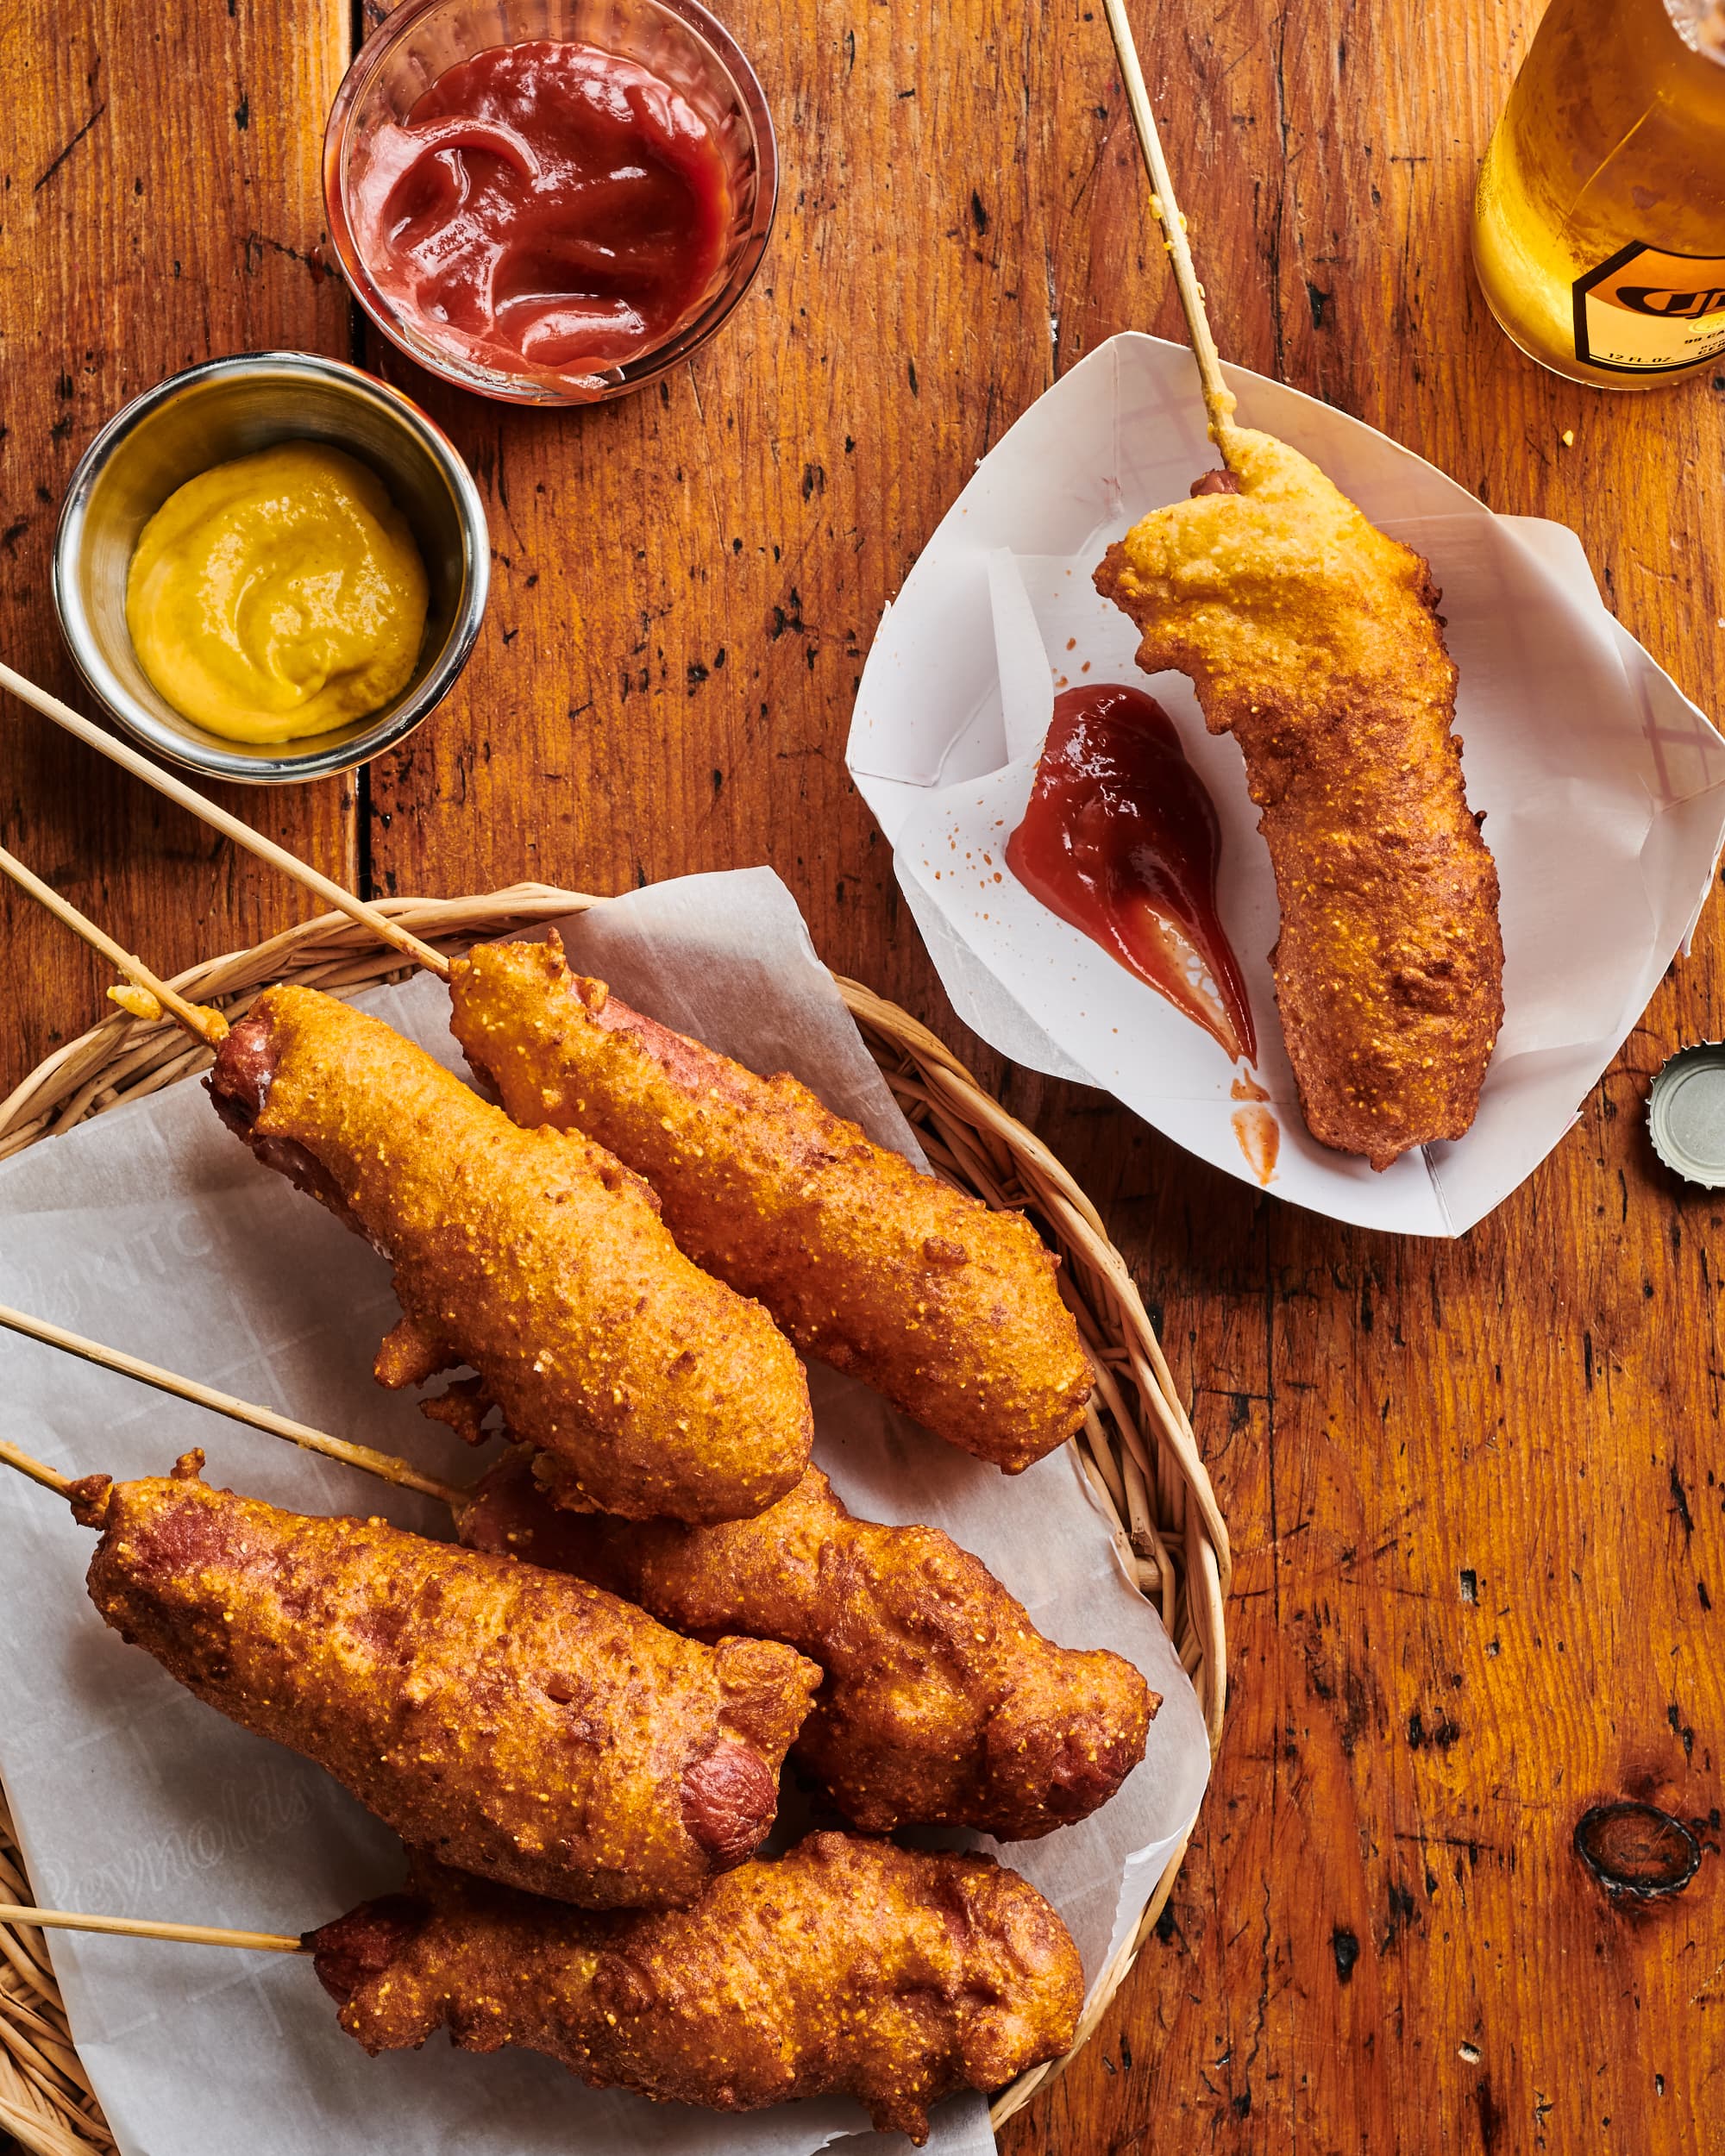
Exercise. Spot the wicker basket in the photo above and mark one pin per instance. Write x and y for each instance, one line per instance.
(1137, 1446)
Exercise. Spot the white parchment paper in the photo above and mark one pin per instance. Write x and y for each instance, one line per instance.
(153, 1229)
(1603, 787)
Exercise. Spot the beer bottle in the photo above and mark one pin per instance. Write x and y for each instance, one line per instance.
(1599, 225)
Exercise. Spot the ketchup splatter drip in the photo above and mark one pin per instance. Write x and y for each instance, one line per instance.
(546, 210)
(1121, 839)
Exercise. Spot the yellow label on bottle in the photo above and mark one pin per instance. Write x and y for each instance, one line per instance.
(1645, 312)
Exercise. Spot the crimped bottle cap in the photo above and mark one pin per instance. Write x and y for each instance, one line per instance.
(1686, 1114)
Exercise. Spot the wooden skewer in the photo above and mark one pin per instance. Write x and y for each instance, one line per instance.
(1219, 399)
(385, 1465)
(201, 1022)
(14, 1457)
(149, 1927)
(199, 805)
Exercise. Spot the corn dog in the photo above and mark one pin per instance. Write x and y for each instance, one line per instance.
(846, 1968)
(532, 1256)
(942, 1704)
(948, 1307)
(1314, 639)
(513, 1722)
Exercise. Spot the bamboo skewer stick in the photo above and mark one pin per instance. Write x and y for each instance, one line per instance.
(1219, 399)
(206, 810)
(385, 1465)
(14, 1456)
(149, 1927)
(202, 1023)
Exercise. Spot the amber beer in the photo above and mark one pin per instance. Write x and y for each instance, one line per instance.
(1599, 226)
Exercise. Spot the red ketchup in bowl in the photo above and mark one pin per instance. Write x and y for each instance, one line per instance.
(1120, 839)
(546, 210)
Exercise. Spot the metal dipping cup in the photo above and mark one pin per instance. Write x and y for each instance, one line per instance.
(230, 408)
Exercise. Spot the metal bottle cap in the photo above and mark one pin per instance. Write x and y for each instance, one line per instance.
(1686, 1114)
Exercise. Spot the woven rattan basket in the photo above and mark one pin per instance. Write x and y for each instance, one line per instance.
(1137, 1446)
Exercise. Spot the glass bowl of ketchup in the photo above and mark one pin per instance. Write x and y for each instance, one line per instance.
(551, 202)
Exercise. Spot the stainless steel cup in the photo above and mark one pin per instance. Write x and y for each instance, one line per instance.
(228, 408)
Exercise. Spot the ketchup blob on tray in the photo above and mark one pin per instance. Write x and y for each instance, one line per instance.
(1120, 839)
(546, 210)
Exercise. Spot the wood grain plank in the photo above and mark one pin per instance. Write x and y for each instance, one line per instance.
(159, 194)
(1477, 1509)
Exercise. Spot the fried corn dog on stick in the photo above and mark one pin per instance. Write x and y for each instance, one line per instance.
(847, 1968)
(532, 1256)
(942, 1704)
(1315, 640)
(946, 1306)
(516, 1722)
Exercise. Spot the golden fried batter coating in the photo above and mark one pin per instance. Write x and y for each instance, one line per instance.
(514, 1721)
(847, 1968)
(1314, 639)
(943, 1703)
(950, 1309)
(531, 1255)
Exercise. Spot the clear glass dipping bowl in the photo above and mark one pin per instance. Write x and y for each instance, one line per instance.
(677, 40)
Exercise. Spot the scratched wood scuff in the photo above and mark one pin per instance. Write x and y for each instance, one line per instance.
(1474, 1488)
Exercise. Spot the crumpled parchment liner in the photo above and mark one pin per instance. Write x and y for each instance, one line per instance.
(153, 1229)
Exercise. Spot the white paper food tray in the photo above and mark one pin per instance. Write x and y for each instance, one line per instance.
(1603, 786)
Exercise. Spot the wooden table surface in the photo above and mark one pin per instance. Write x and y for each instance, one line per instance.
(1474, 1488)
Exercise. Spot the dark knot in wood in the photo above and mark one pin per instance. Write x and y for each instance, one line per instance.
(1637, 1850)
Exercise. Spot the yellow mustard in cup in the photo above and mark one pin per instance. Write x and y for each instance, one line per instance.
(279, 595)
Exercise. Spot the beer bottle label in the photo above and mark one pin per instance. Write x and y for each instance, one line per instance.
(1646, 311)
